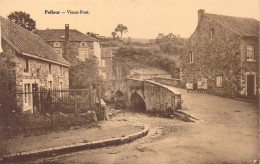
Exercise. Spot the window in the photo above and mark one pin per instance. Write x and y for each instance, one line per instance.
(56, 44)
(250, 52)
(83, 54)
(49, 84)
(27, 97)
(61, 94)
(60, 85)
(191, 57)
(103, 63)
(212, 31)
(83, 44)
(58, 51)
(61, 71)
(219, 81)
(104, 74)
(49, 68)
(26, 69)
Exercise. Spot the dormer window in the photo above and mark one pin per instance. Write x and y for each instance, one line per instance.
(212, 32)
(56, 44)
(58, 51)
(83, 44)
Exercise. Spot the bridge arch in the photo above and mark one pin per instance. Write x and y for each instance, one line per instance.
(119, 94)
(137, 102)
(120, 100)
(147, 95)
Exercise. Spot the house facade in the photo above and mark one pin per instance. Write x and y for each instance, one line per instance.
(35, 64)
(106, 63)
(223, 53)
(71, 44)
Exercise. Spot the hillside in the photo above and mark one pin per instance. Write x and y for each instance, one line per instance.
(126, 59)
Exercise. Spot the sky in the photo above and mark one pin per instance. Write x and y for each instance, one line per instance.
(143, 18)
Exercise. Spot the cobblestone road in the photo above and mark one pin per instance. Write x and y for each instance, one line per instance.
(227, 132)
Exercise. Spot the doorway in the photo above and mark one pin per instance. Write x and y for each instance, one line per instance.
(35, 97)
(250, 85)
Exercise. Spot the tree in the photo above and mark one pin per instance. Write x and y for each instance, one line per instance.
(84, 73)
(121, 28)
(22, 19)
(113, 34)
(94, 35)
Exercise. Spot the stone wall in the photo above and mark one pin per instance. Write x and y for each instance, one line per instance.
(168, 81)
(217, 55)
(160, 97)
(39, 71)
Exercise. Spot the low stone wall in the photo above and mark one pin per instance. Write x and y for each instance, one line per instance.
(161, 97)
(168, 81)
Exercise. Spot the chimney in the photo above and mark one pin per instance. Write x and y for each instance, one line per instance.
(67, 42)
(200, 14)
(67, 32)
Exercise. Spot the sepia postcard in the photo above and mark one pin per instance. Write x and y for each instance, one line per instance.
(129, 81)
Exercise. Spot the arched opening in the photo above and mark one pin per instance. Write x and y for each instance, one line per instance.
(137, 102)
(120, 100)
(119, 94)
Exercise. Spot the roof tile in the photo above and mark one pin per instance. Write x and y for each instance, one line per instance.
(239, 25)
(29, 42)
(59, 35)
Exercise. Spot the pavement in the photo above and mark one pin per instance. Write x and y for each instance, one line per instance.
(118, 131)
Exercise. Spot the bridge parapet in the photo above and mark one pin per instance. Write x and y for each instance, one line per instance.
(166, 97)
(156, 96)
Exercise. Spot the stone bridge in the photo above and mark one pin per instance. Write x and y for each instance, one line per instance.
(146, 96)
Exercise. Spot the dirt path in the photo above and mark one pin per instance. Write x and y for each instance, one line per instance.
(227, 132)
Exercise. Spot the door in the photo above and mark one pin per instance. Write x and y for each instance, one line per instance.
(250, 85)
(35, 97)
(27, 97)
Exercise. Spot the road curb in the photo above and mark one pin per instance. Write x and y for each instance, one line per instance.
(49, 152)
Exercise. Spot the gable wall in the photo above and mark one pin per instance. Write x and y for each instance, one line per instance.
(213, 55)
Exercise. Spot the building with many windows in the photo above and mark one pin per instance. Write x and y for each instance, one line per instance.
(223, 52)
(34, 63)
(71, 44)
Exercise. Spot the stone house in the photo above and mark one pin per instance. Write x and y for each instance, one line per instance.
(223, 52)
(106, 63)
(71, 44)
(35, 64)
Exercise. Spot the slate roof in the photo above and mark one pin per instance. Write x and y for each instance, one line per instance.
(59, 35)
(106, 53)
(240, 25)
(29, 43)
